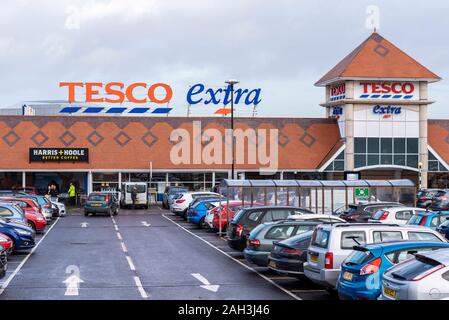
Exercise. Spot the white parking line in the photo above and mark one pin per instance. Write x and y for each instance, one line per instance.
(131, 264)
(16, 271)
(236, 260)
(124, 248)
(115, 227)
(119, 236)
(142, 291)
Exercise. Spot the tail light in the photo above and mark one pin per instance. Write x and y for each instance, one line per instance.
(384, 215)
(371, 267)
(194, 212)
(238, 230)
(428, 273)
(329, 260)
(423, 220)
(254, 243)
(290, 251)
(180, 200)
(107, 200)
(47, 205)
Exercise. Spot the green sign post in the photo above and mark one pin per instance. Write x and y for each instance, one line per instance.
(362, 193)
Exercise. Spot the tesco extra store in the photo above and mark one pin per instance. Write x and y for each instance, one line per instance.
(375, 126)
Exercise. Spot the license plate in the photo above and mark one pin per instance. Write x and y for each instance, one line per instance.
(390, 293)
(272, 264)
(314, 259)
(348, 276)
(96, 204)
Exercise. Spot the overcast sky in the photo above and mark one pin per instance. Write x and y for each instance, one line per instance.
(281, 46)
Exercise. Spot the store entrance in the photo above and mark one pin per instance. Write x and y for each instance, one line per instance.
(62, 180)
(390, 175)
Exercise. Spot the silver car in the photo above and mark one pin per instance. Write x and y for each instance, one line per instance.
(60, 206)
(425, 277)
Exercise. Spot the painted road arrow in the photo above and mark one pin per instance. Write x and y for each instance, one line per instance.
(73, 281)
(206, 284)
(84, 224)
(145, 224)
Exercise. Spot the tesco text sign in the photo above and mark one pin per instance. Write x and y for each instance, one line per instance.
(394, 90)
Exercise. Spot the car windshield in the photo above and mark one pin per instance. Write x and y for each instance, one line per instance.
(320, 238)
(413, 268)
(97, 197)
(351, 210)
(177, 190)
(358, 257)
(445, 223)
(139, 187)
(5, 212)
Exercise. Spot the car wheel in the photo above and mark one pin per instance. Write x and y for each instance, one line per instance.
(202, 223)
(32, 225)
(86, 214)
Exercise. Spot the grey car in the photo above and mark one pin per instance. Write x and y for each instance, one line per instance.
(425, 277)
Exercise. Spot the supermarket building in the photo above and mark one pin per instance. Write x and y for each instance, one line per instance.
(376, 127)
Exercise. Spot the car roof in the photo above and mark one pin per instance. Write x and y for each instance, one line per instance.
(403, 244)
(404, 208)
(315, 216)
(374, 225)
(442, 256)
(433, 213)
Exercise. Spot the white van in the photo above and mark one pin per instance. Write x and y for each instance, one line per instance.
(142, 195)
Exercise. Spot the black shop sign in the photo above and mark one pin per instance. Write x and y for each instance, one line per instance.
(59, 155)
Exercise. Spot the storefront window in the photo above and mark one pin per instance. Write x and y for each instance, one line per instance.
(10, 180)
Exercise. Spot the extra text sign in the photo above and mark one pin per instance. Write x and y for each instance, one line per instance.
(59, 154)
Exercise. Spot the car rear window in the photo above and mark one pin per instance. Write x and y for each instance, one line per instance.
(415, 220)
(140, 188)
(320, 238)
(385, 236)
(97, 197)
(413, 268)
(378, 214)
(423, 236)
(358, 257)
(350, 239)
(280, 232)
(5, 212)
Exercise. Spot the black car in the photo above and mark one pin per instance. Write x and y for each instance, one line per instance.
(249, 218)
(425, 196)
(362, 212)
(3, 262)
(440, 202)
(288, 256)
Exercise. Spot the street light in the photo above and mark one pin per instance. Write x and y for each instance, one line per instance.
(231, 83)
(420, 175)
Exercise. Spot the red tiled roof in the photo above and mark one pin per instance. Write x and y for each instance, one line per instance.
(438, 137)
(377, 57)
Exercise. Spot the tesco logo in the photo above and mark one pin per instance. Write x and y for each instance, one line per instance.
(338, 90)
(387, 111)
(387, 87)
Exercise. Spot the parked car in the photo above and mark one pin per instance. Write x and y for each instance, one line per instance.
(249, 218)
(10, 211)
(444, 228)
(197, 213)
(3, 262)
(331, 245)
(169, 193)
(183, 200)
(220, 215)
(425, 277)
(397, 215)
(288, 256)
(21, 235)
(261, 238)
(440, 201)
(46, 208)
(101, 202)
(6, 243)
(34, 218)
(361, 272)
(142, 195)
(363, 211)
(429, 219)
(424, 197)
(62, 212)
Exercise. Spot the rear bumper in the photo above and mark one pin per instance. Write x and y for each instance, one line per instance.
(237, 243)
(287, 266)
(259, 258)
(357, 290)
(96, 209)
(323, 277)
(194, 219)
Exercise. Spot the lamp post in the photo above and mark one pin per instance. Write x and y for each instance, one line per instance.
(420, 175)
(231, 84)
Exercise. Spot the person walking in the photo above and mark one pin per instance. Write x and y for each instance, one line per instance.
(134, 196)
(72, 194)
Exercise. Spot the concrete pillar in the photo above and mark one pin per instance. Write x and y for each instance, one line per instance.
(423, 141)
(349, 137)
(89, 182)
(24, 177)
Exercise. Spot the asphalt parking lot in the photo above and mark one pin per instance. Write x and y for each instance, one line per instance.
(141, 254)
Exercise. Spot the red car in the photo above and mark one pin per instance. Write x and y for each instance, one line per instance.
(234, 207)
(32, 212)
(6, 243)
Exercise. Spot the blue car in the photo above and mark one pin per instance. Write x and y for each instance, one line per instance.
(10, 211)
(444, 229)
(21, 235)
(197, 213)
(361, 273)
(429, 219)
